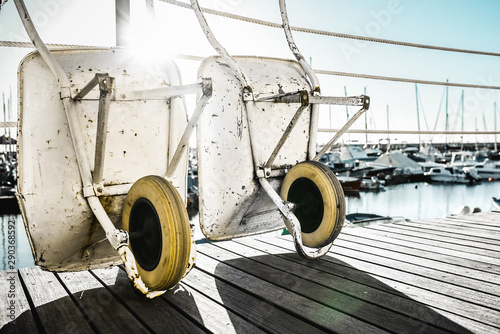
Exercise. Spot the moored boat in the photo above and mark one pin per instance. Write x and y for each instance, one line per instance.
(447, 175)
(350, 185)
(488, 170)
(496, 203)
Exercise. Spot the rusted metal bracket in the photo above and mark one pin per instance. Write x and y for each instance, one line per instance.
(306, 97)
(102, 79)
(106, 86)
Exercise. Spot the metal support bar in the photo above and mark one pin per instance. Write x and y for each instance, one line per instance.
(168, 92)
(314, 82)
(293, 224)
(183, 143)
(105, 87)
(218, 47)
(112, 190)
(304, 97)
(338, 134)
(360, 101)
(88, 87)
(298, 97)
(295, 50)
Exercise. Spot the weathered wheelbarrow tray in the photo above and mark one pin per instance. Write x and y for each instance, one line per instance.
(141, 139)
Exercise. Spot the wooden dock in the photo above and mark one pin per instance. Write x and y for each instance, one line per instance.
(432, 276)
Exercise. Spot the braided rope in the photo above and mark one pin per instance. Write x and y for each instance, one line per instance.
(425, 82)
(324, 72)
(373, 77)
(8, 124)
(412, 132)
(330, 33)
(306, 30)
(14, 44)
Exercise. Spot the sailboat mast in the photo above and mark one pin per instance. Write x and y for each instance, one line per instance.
(346, 108)
(366, 123)
(485, 129)
(476, 131)
(462, 136)
(4, 112)
(495, 115)
(330, 114)
(446, 122)
(122, 21)
(387, 108)
(418, 114)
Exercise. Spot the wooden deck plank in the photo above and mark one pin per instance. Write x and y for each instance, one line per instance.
(355, 281)
(96, 301)
(408, 263)
(389, 302)
(454, 229)
(53, 306)
(424, 260)
(160, 316)
(447, 262)
(440, 275)
(480, 219)
(367, 312)
(443, 225)
(440, 229)
(260, 312)
(15, 313)
(443, 237)
(207, 312)
(484, 220)
(480, 260)
(375, 264)
(394, 279)
(324, 317)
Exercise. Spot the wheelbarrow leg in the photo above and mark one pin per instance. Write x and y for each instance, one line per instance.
(293, 224)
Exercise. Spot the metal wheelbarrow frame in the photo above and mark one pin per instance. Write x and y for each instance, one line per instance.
(256, 90)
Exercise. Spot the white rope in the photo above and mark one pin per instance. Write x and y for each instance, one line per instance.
(424, 82)
(330, 33)
(8, 124)
(218, 47)
(412, 132)
(373, 77)
(318, 71)
(14, 44)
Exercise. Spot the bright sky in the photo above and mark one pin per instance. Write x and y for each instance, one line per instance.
(451, 23)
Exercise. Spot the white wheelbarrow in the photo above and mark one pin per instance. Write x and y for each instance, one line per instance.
(103, 143)
(129, 144)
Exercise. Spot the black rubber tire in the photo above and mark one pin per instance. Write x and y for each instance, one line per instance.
(320, 202)
(156, 219)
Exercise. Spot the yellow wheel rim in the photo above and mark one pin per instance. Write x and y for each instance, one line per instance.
(319, 199)
(156, 219)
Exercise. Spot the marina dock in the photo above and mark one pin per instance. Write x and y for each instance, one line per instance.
(421, 276)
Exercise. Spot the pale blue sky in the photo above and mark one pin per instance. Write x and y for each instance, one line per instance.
(459, 24)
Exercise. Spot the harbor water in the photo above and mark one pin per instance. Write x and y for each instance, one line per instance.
(410, 200)
(423, 200)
